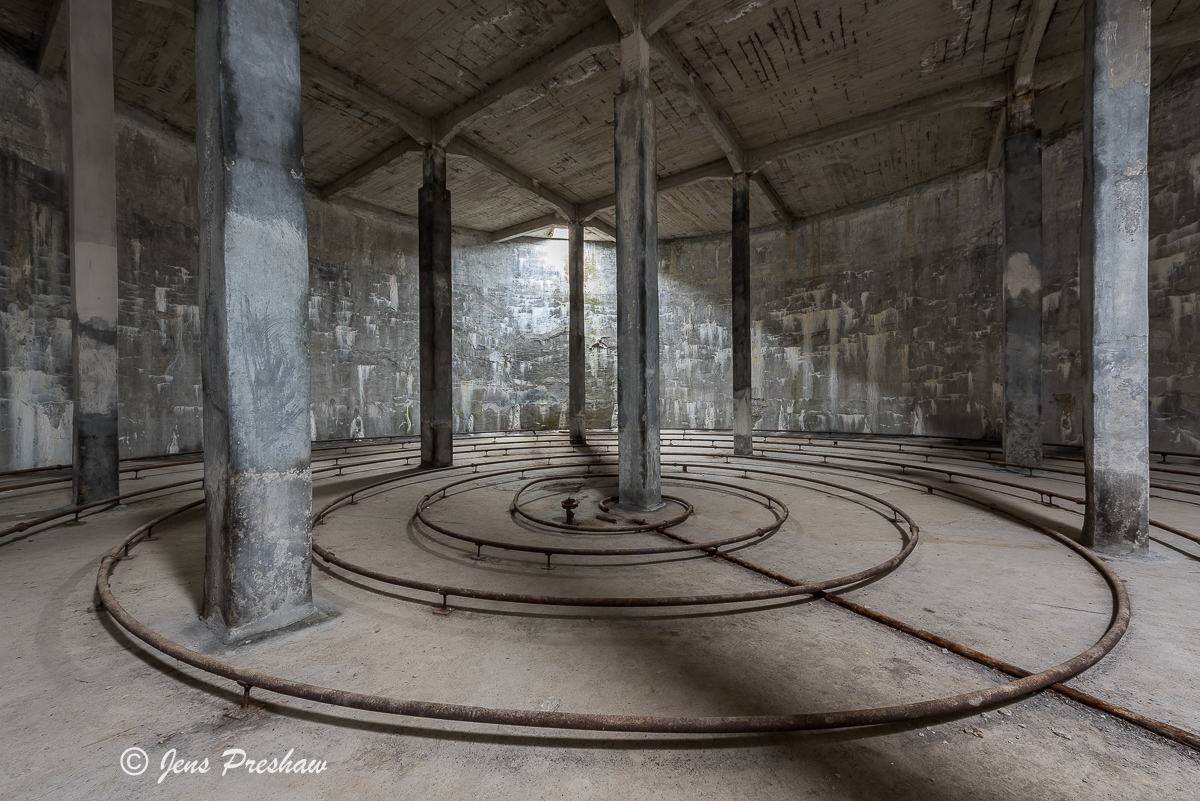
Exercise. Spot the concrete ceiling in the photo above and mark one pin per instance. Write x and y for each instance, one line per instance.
(833, 103)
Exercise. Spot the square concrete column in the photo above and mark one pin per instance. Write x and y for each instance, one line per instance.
(436, 314)
(1113, 274)
(1023, 298)
(637, 280)
(254, 305)
(93, 221)
(743, 445)
(576, 366)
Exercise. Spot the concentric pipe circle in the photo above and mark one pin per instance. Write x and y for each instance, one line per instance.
(915, 711)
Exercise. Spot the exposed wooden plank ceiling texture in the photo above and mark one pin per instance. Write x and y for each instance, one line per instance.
(833, 103)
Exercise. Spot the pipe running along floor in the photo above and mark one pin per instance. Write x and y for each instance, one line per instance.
(81, 690)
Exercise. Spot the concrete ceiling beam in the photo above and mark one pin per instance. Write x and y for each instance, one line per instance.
(985, 92)
(645, 15)
(419, 128)
(53, 45)
(603, 227)
(377, 162)
(716, 121)
(1061, 70)
(462, 147)
(713, 169)
(658, 13)
(320, 71)
(712, 116)
(781, 210)
(585, 211)
(527, 227)
(597, 35)
(625, 14)
(1170, 34)
(996, 149)
(1031, 42)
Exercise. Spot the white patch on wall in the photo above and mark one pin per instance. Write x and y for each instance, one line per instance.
(1021, 276)
(40, 430)
(744, 10)
(344, 336)
(364, 374)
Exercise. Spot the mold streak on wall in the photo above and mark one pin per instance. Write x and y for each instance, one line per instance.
(887, 321)
(35, 296)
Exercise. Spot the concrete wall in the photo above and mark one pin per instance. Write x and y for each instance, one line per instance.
(887, 317)
(35, 301)
(1174, 279)
(883, 317)
(879, 318)
(510, 330)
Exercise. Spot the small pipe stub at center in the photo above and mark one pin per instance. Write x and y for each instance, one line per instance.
(570, 505)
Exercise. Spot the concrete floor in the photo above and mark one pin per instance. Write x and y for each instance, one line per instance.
(79, 691)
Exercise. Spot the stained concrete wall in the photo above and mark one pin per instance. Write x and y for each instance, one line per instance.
(35, 301)
(510, 299)
(887, 317)
(1174, 277)
(882, 317)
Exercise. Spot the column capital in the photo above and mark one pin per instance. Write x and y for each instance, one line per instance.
(433, 165)
(635, 61)
(1020, 112)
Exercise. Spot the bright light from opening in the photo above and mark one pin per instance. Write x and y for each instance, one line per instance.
(558, 233)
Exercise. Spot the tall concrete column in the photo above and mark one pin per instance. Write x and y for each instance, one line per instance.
(93, 220)
(254, 305)
(743, 445)
(637, 280)
(437, 322)
(1023, 298)
(576, 365)
(1113, 274)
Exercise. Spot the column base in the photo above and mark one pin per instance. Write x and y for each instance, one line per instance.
(276, 621)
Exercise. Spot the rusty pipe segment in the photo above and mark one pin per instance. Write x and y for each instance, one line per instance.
(910, 542)
(1025, 684)
(921, 710)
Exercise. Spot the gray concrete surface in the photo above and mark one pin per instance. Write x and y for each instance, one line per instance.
(79, 692)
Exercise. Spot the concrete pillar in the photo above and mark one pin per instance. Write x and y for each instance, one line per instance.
(743, 445)
(576, 366)
(437, 322)
(254, 306)
(637, 280)
(1023, 298)
(93, 221)
(1113, 274)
